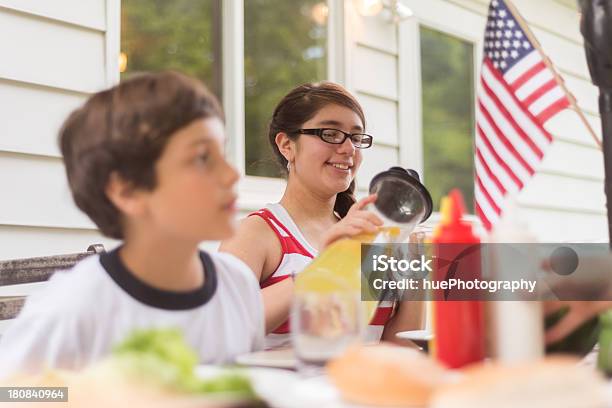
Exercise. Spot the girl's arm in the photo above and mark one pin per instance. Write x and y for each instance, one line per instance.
(410, 316)
(257, 246)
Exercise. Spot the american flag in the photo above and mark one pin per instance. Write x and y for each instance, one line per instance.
(517, 94)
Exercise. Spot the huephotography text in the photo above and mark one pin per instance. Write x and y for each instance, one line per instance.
(458, 284)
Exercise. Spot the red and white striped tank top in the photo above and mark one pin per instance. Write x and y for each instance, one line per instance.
(296, 255)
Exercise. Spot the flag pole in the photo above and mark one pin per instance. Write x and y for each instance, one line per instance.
(550, 66)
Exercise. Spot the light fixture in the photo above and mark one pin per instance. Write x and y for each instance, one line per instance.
(392, 10)
(320, 11)
(398, 11)
(369, 8)
(123, 59)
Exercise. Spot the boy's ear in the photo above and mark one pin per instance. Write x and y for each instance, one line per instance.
(285, 146)
(124, 196)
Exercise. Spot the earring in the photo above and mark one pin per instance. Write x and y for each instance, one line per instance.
(288, 167)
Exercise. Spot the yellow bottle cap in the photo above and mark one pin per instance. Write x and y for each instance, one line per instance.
(445, 216)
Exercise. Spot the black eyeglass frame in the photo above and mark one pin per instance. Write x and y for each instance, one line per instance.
(319, 132)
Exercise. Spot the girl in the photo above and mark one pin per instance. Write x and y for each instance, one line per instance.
(317, 133)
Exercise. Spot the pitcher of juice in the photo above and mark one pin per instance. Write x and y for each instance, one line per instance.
(328, 312)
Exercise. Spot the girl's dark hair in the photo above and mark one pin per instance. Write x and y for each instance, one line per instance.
(299, 106)
(124, 130)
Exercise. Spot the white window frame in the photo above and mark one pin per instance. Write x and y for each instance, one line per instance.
(113, 41)
(461, 22)
(232, 54)
(255, 191)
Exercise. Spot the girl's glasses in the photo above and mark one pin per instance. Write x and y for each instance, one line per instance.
(337, 136)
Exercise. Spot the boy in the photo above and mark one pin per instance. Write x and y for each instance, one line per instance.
(145, 162)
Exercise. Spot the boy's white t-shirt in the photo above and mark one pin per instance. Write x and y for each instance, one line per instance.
(85, 311)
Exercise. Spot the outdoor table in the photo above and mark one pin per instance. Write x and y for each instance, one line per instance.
(304, 394)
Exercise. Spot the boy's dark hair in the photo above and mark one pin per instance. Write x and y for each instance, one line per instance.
(124, 130)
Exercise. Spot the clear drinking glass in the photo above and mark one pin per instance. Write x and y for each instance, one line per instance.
(419, 243)
(323, 325)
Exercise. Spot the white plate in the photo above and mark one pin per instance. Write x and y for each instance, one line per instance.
(284, 388)
(280, 358)
(415, 335)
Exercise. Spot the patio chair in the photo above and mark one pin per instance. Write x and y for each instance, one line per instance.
(33, 270)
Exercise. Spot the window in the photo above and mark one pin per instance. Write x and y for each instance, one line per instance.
(184, 35)
(447, 67)
(284, 46)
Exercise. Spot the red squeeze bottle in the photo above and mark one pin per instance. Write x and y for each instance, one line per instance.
(458, 324)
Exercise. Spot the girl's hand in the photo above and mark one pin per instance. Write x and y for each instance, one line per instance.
(356, 221)
(579, 312)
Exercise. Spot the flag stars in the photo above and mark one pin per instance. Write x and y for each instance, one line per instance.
(504, 40)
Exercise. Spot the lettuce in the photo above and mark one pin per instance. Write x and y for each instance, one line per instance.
(163, 357)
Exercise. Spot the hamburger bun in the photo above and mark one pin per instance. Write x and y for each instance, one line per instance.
(385, 375)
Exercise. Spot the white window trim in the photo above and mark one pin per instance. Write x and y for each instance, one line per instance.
(255, 191)
(337, 37)
(112, 41)
(232, 53)
(449, 19)
(410, 126)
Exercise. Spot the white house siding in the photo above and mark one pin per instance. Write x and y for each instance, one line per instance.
(54, 54)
